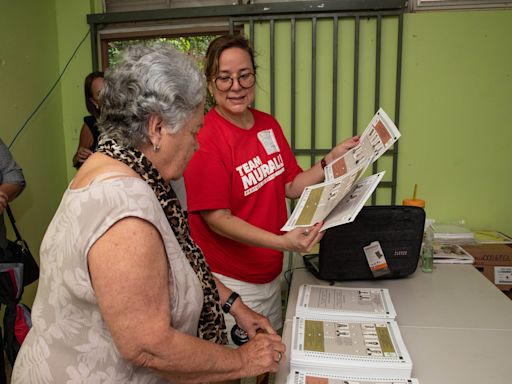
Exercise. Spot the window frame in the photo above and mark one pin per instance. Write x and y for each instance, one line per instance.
(430, 5)
(106, 38)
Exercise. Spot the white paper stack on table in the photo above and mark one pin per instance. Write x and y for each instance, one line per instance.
(452, 234)
(447, 240)
(347, 331)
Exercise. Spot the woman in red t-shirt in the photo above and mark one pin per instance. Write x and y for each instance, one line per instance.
(238, 181)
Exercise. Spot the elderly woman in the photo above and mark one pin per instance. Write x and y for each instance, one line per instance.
(125, 295)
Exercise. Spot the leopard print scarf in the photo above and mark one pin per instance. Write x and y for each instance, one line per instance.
(211, 323)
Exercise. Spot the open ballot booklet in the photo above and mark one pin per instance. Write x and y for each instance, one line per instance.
(342, 195)
(451, 254)
(359, 339)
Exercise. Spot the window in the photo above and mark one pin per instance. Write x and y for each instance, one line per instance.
(193, 45)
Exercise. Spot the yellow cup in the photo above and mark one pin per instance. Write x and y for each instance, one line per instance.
(414, 202)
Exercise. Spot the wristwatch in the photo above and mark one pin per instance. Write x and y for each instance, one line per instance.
(229, 302)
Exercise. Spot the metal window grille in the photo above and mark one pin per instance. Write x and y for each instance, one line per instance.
(362, 32)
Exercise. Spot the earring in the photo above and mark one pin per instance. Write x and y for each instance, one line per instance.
(156, 148)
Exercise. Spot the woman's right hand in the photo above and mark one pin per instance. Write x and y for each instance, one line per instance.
(302, 239)
(262, 354)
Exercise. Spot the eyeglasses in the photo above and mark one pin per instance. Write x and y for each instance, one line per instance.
(224, 83)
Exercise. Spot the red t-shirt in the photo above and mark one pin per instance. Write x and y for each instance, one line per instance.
(245, 171)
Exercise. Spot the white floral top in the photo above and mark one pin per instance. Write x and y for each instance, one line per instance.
(69, 341)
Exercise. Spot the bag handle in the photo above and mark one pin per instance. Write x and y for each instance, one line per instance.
(11, 218)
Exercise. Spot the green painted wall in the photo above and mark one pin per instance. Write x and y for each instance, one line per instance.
(28, 69)
(37, 38)
(73, 35)
(455, 114)
(74, 48)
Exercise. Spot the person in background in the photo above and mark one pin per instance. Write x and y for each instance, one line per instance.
(238, 181)
(125, 295)
(12, 183)
(89, 133)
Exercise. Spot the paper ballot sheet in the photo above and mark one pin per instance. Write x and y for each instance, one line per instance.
(334, 301)
(342, 195)
(349, 345)
(378, 137)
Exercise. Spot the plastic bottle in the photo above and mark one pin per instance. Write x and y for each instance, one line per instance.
(427, 253)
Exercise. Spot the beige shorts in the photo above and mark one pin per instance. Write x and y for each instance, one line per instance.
(262, 298)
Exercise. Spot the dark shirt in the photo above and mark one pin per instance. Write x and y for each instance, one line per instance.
(90, 121)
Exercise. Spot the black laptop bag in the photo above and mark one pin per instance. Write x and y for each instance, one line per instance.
(398, 229)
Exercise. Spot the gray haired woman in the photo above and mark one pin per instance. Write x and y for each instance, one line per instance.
(125, 295)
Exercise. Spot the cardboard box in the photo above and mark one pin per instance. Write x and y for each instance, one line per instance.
(494, 261)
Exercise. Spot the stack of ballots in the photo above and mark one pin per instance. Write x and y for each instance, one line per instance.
(348, 333)
(448, 239)
(452, 233)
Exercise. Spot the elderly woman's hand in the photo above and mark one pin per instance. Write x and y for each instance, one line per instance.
(262, 354)
(249, 320)
(303, 239)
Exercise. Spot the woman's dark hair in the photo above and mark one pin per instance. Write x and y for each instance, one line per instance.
(88, 93)
(217, 46)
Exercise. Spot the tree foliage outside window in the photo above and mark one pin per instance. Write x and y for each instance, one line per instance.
(194, 46)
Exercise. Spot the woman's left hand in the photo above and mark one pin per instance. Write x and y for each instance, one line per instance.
(249, 320)
(342, 148)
